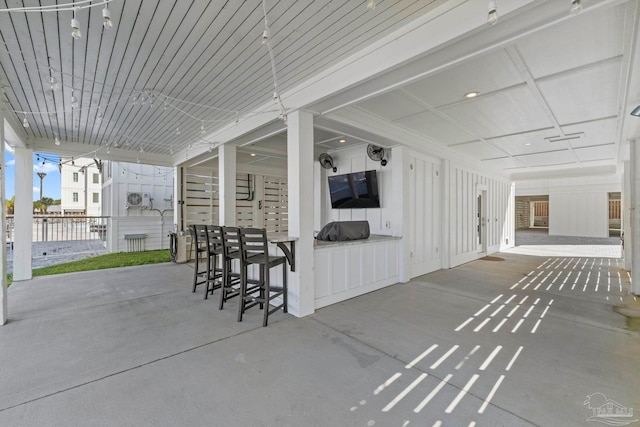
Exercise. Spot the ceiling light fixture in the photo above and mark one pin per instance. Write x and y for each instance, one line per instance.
(75, 27)
(636, 111)
(56, 140)
(342, 140)
(74, 102)
(492, 16)
(178, 131)
(25, 122)
(470, 95)
(106, 15)
(527, 144)
(265, 36)
(253, 154)
(576, 6)
(54, 83)
(371, 5)
(202, 131)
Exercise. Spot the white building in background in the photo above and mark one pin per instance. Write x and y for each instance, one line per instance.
(80, 187)
(138, 201)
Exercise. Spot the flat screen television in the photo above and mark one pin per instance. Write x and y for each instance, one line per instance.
(356, 190)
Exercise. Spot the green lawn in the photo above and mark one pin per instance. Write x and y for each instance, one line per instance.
(122, 259)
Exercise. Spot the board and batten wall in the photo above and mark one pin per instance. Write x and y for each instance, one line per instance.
(461, 211)
(356, 160)
(577, 206)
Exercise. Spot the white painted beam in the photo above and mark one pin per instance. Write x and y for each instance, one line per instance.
(300, 211)
(227, 184)
(23, 214)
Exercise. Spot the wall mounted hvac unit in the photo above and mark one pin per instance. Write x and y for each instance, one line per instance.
(138, 200)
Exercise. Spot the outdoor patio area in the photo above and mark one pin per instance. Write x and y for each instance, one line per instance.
(511, 340)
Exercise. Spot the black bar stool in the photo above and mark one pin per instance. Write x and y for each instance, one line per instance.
(254, 250)
(230, 251)
(199, 242)
(214, 250)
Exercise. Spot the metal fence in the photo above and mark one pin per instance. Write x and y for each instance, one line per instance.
(53, 228)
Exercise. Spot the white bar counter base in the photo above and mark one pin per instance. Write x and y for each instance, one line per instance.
(344, 270)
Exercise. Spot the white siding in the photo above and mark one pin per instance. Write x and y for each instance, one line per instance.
(579, 214)
(463, 210)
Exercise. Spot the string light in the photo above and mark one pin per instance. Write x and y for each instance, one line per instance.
(25, 122)
(492, 16)
(371, 5)
(57, 140)
(75, 27)
(106, 16)
(576, 6)
(54, 83)
(265, 37)
(202, 131)
(178, 131)
(74, 102)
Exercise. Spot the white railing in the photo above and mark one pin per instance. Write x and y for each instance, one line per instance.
(53, 228)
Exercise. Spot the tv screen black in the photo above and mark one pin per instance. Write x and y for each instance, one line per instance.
(354, 190)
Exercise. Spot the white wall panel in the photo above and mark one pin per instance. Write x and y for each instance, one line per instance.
(425, 205)
(579, 214)
(343, 272)
(463, 187)
(356, 160)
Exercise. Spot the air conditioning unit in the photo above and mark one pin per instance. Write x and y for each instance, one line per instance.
(138, 200)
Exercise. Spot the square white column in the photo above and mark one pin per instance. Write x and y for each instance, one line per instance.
(301, 200)
(4, 309)
(626, 216)
(23, 214)
(227, 184)
(634, 216)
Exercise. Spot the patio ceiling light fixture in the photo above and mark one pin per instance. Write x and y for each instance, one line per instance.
(636, 111)
(576, 6)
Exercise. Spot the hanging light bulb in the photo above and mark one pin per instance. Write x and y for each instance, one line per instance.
(492, 16)
(54, 83)
(57, 140)
(75, 27)
(371, 5)
(25, 122)
(171, 149)
(106, 16)
(265, 36)
(141, 149)
(178, 131)
(576, 6)
(276, 98)
(135, 99)
(99, 116)
(202, 131)
(137, 161)
(74, 102)
(108, 150)
(210, 148)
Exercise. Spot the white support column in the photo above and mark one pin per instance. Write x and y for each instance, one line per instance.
(300, 211)
(400, 219)
(635, 216)
(23, 214)
(227, 184)
(445, 253)
(4, 307)
(626, 216)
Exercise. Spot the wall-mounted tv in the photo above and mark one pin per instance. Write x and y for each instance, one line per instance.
(354, 190)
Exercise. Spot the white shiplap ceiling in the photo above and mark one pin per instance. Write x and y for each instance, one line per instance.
(202, 60)
(555, 89)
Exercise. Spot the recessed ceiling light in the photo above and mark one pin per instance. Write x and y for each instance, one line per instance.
(469, 95)
(527, 144)
(342, 140)
(253, 154)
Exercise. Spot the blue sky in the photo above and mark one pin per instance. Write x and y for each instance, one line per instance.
(50, 184)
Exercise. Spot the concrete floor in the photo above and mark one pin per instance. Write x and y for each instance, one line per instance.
(514, 341)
